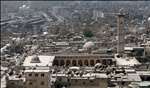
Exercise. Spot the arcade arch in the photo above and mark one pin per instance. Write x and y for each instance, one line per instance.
(56, 62)
(74, 63)
(86, 62)
(62, 63)
(68, 62)
(92, 62)
(104, 62)
(98, 61)
(80, 63)
(110, 62)
(142, 78)
(148, 78)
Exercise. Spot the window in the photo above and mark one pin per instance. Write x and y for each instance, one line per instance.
(68, 80)
(42, 75)
(42, 83)
(36, 74)
(91, 81)
(12, 83)
(30, 74)
(59, 79)
(30, 83)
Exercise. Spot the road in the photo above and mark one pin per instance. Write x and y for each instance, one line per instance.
(46, 16)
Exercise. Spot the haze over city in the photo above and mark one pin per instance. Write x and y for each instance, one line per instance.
(75, 44)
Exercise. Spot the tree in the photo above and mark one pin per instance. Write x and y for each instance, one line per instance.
(87, 33)
(139, 52)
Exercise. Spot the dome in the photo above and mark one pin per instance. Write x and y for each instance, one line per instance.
(13, 39)
(77, 37)
(24, 7)
(18, 39)
(121, 11)
(8, 45)
(28, 39)
(89, 44)
(35, 59)
(34, 40)
(45, 33)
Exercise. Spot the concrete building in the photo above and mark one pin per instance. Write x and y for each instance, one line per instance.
(15, 81)
(98, 14)
(105, 30)
(33, 77)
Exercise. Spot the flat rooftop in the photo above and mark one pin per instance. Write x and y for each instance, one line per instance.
(145, 83)
(127, 61)
(14, 77)
(36, 71)
(85, 76)
(134, 77)
(45, 60)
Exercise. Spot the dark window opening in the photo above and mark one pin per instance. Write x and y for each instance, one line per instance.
(42, 83)
(68, 80)
(30, 74)
(42, 75)
(36, 74)
(12, 83)
(91, 81)
(59, 79)
(30, 83)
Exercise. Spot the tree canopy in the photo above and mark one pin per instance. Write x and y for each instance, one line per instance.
(87, 33)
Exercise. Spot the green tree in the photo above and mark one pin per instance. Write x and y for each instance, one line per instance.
(139, 53)
(87, 33)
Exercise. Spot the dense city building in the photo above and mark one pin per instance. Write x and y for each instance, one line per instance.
(75, 44)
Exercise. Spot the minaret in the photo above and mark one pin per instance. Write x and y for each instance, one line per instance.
(29, 3)
(121, 32)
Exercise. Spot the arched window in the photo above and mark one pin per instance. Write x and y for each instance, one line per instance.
(98, 61)
(92, 62)
(80, 63)
(67, 62)
(142, 78)
(104, 62)
(74, 63)
(86, 62)
(110, 62)
(148, 79)
(56, 63)
(62, 63)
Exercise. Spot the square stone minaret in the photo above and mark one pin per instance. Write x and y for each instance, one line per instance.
(121, 33)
